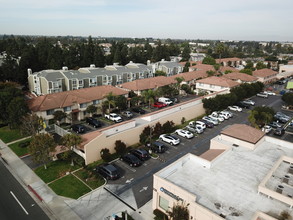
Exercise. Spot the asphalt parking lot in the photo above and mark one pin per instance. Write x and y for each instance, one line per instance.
(139, 179)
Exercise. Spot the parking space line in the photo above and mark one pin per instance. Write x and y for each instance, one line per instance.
(126, 166)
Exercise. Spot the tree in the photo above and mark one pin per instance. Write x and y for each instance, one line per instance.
(91, 109)
(210, 72)
(168, 127)
(105, 155)
(186, 67)
(260, 65)
(120, 147)
(186, 53)
(288, 98)
(70, 141)
(148, 96)
(40, 148)
(16, 109)
(209, 60)
(246, 71)
(145, 135)
(260, 116)
(158, 130)
(179, 211)
(110, 101)
(59, 116)
(31, 124)
(120, 102)
(220, 48)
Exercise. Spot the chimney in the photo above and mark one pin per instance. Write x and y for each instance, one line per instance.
(92, 66)
(148, 62)
(290, 169)
(64, 68)
(29, 72)
(286, 179)
(279, 189)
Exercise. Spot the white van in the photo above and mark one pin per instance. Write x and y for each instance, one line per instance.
(166, 101)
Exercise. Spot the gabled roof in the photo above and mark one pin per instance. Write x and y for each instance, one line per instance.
(203, 67)
(188, 76)
(244, 132)
(264, 72)
(147, 83)
(219, 81)
(224, 68)
(240, 76)
(232, 59)
(69, 98)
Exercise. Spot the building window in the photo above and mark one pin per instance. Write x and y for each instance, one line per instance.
(82, 105)
(95, 102)
(80, 82)
(67, 109)
(163, 203)
(50, 112)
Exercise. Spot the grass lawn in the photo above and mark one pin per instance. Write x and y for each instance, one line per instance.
(7, 135)
(55, 169)
(19, 151)
(69, 186)
(94, 181)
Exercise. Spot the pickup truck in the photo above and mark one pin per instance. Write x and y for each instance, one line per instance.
(113, 117)
(263, 95)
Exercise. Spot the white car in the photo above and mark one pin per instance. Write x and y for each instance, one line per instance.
(229, 114)
(269, 93)
(235, 108)
(184, 133)
(170, 139)
(200, 124)
(225, 116)
(215, 122)
(219, 118)
(266, 129)
(219, 114)
(249, 102)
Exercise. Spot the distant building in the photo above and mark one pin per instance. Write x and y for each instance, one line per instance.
(168, 67)
(52, 81)
(245, 175)
(265, 76)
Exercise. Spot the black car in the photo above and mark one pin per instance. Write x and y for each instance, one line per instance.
(279, 131)
(243, 105)
(132, 160)
(141, 154)
(138, 110)
(157, 147)
(78, 128)
(207, 123)
(108, 171)
(93, 122)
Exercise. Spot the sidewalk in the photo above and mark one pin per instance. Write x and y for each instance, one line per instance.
(54, 206)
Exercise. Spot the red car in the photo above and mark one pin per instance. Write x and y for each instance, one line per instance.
(159, 105)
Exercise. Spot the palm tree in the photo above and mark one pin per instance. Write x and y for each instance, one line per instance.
(110, 101)
(149, 96)
(179, 211)
(70, 141)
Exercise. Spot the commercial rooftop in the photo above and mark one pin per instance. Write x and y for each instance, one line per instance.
(230, 186)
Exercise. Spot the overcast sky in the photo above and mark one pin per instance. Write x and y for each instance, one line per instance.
(265, 20)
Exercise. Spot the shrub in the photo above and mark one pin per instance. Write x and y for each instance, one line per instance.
(160, 215)
(24, 144)
(105, 154)
(120, 147)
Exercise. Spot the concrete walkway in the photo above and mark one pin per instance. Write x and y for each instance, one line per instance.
(58, 207)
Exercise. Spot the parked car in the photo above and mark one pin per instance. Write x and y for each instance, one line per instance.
(215, 122)
(225, 116)
(269, 93)
(170, 139)
(184, 133)
(132, 160)
(275, 124)
(141, 154)
(267, 129)
(207, 123)
(235, 108)
(114, 117)
(243, 105)
(261, 94)
(138, 110)
(108, 171)
(249, 102)
(127, 114)
(230, 114)
(219, 118)
(174, 100)
(281, 118)
(166, 101)
(159, 105)
(93, 122)
(197, 124)
(78, 128)
(157, 147)
(279, 131)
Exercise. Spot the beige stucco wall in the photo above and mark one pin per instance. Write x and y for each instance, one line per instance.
(196, 211)
(130, 135)
(44, 85)
(241, 143)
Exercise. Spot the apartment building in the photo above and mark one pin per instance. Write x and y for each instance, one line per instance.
(53, 81)
(265, 76)
(244, 176)
(169, 67)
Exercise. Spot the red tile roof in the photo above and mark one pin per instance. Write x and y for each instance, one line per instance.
(188, 76)
(244, 132)
(69, 98)
(240, 76)
(264, 72)
(232, 59)
(219, 81)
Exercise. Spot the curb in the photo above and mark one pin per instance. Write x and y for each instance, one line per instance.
(34, 192)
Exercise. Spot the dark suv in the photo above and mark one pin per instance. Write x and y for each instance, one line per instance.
(132, 160)
(108, 171)
(157, 147)
(138, 110)
(141, 154)
(93, 122)
(78, 128)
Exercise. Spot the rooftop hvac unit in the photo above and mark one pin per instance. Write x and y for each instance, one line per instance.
(64, 68)
(286, 179)
(279, 189)
(290, 169)
(92, 66)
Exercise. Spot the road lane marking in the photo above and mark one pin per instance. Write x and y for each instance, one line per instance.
(18, 202)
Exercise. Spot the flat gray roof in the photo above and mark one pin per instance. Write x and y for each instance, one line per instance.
(231, 184)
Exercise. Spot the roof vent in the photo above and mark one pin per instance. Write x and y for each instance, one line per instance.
(92, 66)
(235, 145)
(64, 68)
(290, 169)
(279, 189)
(286, 179)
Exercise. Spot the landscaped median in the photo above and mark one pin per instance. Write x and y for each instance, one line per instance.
(69, 181)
